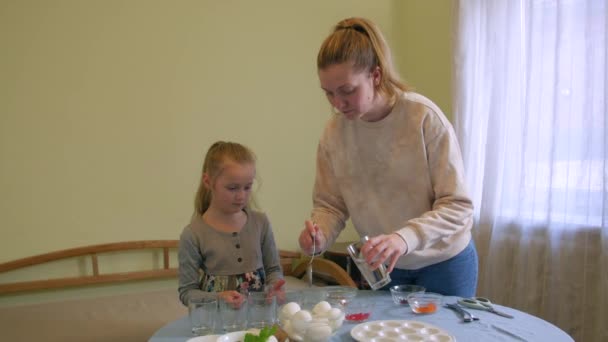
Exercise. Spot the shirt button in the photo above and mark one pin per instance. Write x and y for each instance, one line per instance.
(238, 245)
(239, 259)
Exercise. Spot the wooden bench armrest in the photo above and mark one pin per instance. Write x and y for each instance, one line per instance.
(288, 260)
(96, 278)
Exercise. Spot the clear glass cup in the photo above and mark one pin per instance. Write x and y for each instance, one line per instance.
(233, 315)
(375, 278)
(202, 313)
(261, 309)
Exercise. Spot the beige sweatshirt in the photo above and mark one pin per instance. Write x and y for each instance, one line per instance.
(402, 174)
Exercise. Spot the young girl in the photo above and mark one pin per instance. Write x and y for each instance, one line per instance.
(233, 245)
(390, 160)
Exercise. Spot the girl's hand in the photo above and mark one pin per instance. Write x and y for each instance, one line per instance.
(276, 289)
(382, 248)
(233, 298)
(306, 238)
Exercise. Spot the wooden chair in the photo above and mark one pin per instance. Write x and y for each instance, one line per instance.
(324, 270)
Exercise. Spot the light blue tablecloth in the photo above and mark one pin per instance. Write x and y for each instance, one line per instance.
(523, 325)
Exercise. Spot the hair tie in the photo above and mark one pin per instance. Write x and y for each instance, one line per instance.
(355, 27)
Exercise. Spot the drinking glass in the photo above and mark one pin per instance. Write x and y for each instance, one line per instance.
(233, 315)
(202, 312)
(262, 309)
(375, 278)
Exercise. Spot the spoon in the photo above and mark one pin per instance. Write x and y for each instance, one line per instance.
(314, 251)
(466, 316)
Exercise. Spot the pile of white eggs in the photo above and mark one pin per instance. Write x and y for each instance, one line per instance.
(315, 326)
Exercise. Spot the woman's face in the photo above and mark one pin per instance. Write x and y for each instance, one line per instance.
(231, 189)
(351, 92)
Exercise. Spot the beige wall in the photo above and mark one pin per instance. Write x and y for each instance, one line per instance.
(423, 47)
(107, 107)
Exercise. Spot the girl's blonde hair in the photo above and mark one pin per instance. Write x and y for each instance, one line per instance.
(213, 165)
(360, 42)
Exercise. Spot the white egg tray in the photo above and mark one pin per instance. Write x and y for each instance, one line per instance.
(396, 330)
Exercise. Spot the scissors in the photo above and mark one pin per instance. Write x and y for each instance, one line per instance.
(481, 303)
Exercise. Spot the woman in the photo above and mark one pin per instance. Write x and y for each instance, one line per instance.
(389, 160)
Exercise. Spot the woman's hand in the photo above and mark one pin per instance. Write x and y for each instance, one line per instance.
(310, 231)
(381, 248)
(234, 298)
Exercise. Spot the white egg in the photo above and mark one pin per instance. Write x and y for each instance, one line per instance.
(290, 309)
(300, 320)
(302, 315)
(336, 323)
(320, 315)
(318, 320)
(293, 335)
(287, 327)
(321, 307)
(318, 333)
(334, 314)
(296, 337)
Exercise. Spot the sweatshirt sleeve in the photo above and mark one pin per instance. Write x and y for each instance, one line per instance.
(329, 209)
(190, 261)
(270, 254)
(452, 210)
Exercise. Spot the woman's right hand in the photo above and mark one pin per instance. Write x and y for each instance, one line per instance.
(310, 231)
(234, 298)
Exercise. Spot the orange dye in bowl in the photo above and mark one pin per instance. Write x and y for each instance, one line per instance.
(427, 308)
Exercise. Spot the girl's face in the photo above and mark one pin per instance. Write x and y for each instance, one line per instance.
(231, 189)
(351, 92)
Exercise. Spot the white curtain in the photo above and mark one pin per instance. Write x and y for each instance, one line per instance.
(531, 115)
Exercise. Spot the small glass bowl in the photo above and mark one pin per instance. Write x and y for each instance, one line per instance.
(400, 292)
(341, 295)
(424, 302)
(310, 296)
(358, 311)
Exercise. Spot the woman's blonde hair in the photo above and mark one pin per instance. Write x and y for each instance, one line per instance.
(360, 42)
(213, 165)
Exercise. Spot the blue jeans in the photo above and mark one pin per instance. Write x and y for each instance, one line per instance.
(454, 277)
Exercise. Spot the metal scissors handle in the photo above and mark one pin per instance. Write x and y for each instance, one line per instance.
(481, 303)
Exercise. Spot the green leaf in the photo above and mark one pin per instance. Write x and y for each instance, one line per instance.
(264, 335)
(249, 337)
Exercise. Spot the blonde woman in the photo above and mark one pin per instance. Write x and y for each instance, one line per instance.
(390, 161)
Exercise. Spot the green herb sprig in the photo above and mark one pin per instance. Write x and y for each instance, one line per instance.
(263, 336)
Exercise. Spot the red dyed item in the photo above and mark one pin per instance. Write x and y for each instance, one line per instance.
(357, 317)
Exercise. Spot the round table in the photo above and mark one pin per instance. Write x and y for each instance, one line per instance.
(490, 327)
